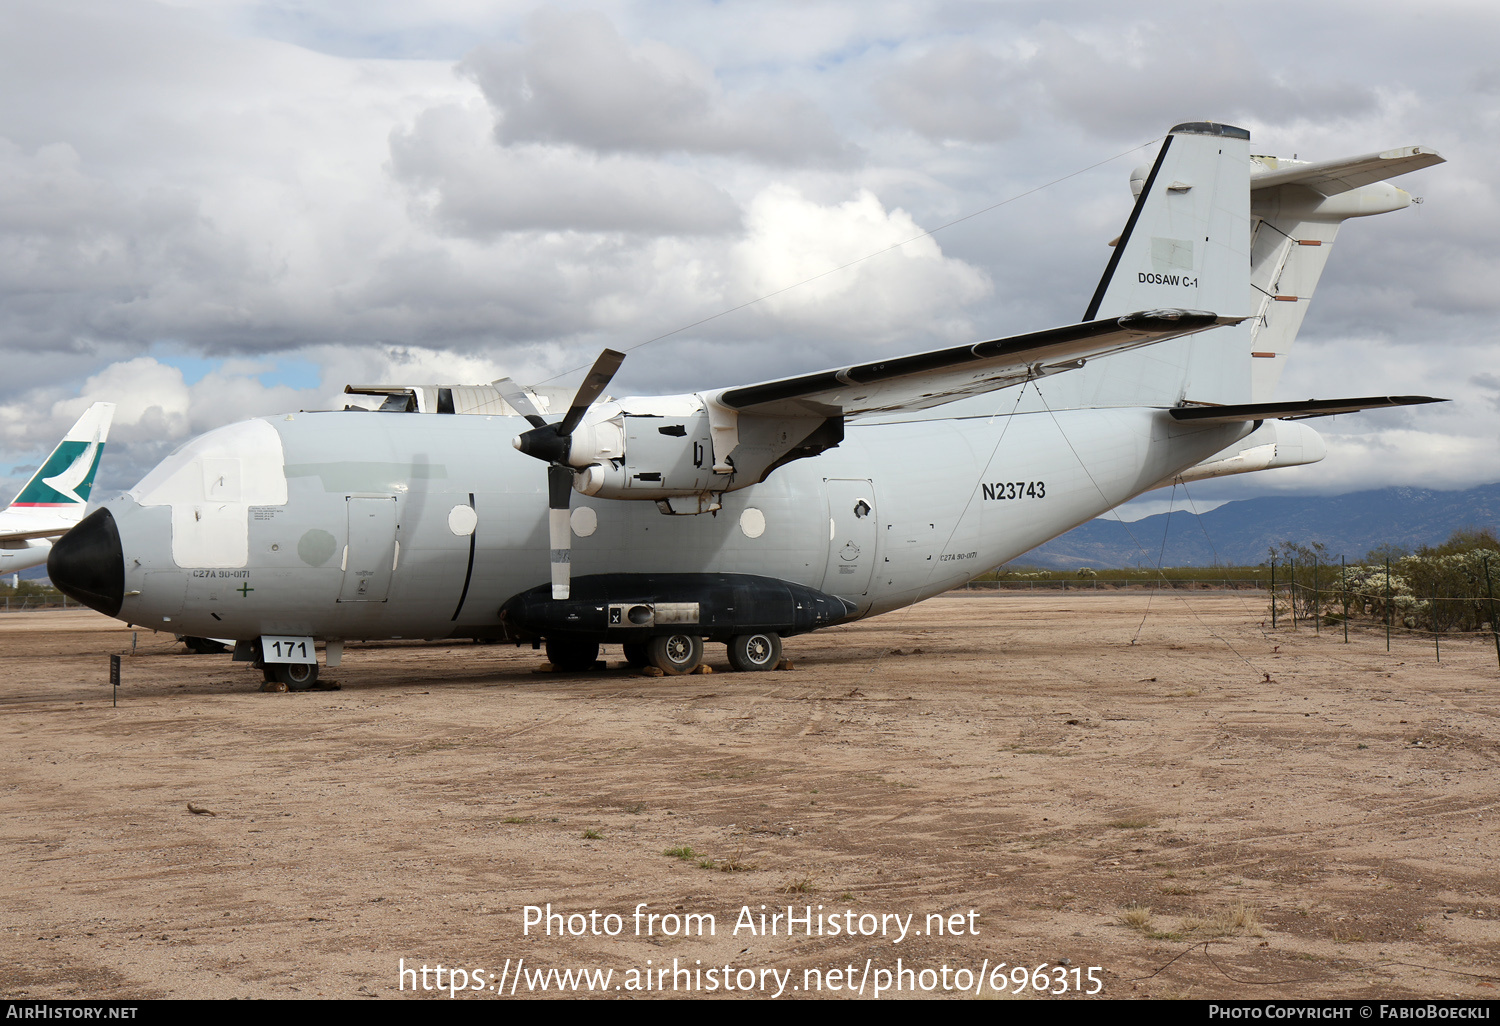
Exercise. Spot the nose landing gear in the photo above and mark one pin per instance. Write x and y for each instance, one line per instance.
(296, 676)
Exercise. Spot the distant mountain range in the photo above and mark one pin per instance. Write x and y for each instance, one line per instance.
(1240, 533)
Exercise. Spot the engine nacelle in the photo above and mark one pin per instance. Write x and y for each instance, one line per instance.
(654, 448)
(684, 452)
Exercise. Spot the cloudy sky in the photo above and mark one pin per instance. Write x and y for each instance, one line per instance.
(214, 209)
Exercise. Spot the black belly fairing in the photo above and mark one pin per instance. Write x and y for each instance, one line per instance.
(635, 607)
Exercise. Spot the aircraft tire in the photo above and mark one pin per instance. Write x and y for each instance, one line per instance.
(570, 655)
(296, 676)
(755, 652)
(676, 654)
(636, 654)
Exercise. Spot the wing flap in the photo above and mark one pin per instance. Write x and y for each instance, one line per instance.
(924, 380)
(1294, 411)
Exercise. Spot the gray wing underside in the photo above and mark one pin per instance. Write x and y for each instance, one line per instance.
(1295, 410)
(1331, 177)
(924, 380)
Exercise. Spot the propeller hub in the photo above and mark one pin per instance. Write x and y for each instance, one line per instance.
(545, 443)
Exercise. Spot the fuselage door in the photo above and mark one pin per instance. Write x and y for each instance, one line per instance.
(370, 555)
(852, 536)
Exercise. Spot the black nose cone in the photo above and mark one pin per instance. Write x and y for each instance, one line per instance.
(87, 564)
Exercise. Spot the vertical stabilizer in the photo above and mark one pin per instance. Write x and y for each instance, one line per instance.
(1186, 245)
(66, 477)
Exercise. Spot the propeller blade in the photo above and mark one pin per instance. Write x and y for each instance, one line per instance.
(559, 530)
(592, 388)
(552, 444)
(519, 401)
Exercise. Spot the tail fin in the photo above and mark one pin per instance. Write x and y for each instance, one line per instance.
(1298, 208)
(66, 477)
(1187, 244)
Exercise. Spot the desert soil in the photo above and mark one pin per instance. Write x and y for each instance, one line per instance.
(1163, 788)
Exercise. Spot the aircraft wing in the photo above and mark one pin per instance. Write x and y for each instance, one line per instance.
(1294, 411)
(923, 380)
(26, 534)
(1335, 176)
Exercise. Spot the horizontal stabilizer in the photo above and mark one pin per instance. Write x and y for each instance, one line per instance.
(1294, 411)
(1331, 177)
(924, 380)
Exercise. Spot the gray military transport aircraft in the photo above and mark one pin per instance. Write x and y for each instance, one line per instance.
(745, 515)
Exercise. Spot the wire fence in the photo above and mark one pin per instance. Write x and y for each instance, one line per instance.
(1426, 596)
(28, 599)
(1140, 584)
(1437, 597)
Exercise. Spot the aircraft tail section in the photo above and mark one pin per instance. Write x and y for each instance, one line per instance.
(1186, 245)
(63, 482)
(1187, 242)
(1215, 228)
(1298, 208)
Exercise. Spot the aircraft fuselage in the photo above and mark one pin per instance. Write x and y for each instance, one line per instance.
(364, 525)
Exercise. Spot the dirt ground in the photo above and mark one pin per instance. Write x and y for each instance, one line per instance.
(1160, 790)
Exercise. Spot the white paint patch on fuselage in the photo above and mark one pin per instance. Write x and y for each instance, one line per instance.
(210, 484)
(462, 520)
(752, 522)
(585, 521)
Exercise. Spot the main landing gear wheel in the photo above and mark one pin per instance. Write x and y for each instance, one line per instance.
(570, 655)
(675, 654)
(749, 652)
(636, 654)
(296, 676)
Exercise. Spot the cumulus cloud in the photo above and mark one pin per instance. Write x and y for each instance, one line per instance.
(1121, 77)
(578, 81)
(1382, 458)
(156, 409)
(456, 191)
(470, 186)
(112, 252)
(1490, 384)
(791, 239)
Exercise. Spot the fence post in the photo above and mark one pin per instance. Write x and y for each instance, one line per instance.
(1291, 591)
(1387, 603)
(1494, 626)
(1273, 593)
(1344, 592)
(1317, 625)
